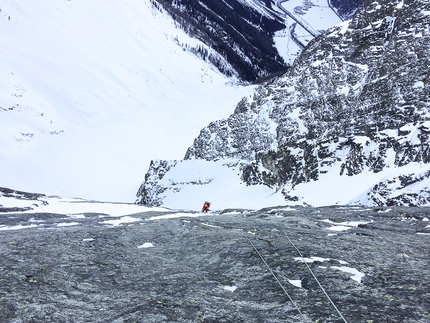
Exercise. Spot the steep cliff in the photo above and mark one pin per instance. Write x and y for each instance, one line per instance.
(355, 103)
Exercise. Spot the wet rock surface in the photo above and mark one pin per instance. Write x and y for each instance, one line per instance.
(373, 264)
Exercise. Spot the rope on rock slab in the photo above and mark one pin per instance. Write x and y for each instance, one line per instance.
(273, 274)
(316, 279)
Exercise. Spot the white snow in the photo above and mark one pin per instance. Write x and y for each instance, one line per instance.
(343, 226)
(418, 84)
(286, 47)
(76, 207)
(400, 5)
(312, 259)
(177, 215)
(125, 214)
(220, 185)
(18, 227)
(317, 63)
(122, 220)
(344, 27)
(146, 245)
(297, 283)
(356, 275)
(286, 209)
(230, 288)
(91, 91)
(332, 189)
(319, 16)
(34, 220)
(16, 202)
(76, 216)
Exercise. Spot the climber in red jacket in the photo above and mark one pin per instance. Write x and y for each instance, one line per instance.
(206, 206)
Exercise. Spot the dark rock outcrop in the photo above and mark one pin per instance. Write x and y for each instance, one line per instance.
(346, 8)
(240, 34)
(149, 194)
(20, 195)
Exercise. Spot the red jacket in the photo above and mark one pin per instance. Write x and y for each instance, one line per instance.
(205, 208)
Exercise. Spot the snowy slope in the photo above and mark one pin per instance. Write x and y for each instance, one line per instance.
(90, 92)
(347, 124)
(303, 20)
(188, 183)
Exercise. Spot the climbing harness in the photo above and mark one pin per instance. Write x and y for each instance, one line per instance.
(273, 274)
(316, 279)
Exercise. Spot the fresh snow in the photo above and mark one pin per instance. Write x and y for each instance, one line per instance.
(146, 245)
(75, 208)
(356, 275)
(176, 216)
(318, 16)
(122, 220)
(311, 259)
(339, 228)
(219, 184)
(17, 227)
(191, 182)
(230, 288)
(295, 282)
(91, 91)
(343, 226)
(331, 189)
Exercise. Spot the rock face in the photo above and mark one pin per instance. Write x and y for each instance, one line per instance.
(34, 198)
(239, 32)
(356, 101)
(346, 8)
(373, 264)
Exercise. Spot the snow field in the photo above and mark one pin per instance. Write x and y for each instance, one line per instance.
(90, 92)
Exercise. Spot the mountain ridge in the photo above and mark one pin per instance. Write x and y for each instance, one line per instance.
(353, 106)
(242, 31)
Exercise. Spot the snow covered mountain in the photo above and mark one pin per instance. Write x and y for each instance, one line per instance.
(90, 92)
(257, 38)
(348, 124)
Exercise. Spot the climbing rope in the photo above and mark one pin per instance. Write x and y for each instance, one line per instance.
(273, 274)
(316, 279)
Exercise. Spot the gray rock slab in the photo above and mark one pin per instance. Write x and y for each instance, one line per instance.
(372, 263)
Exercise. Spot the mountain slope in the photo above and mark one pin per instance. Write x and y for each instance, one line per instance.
(259, 39)
(90, 92)
(242, 34)
(348, 123)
